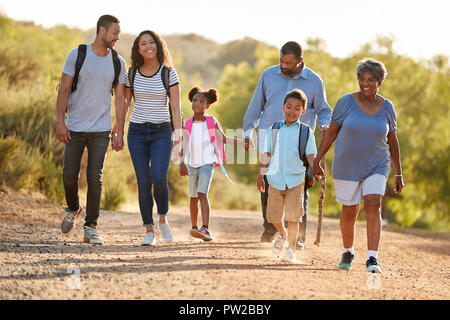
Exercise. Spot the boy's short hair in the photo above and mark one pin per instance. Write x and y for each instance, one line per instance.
(296, 94)
(105, 21)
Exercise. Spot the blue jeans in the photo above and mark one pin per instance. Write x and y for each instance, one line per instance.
(150, 146)
(97, 145)
(271, 229)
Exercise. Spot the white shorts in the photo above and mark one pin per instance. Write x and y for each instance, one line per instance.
(350, 193)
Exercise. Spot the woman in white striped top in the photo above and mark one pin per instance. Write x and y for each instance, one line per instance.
(151, 126)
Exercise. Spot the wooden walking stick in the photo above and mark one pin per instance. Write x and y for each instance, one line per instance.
(322, 194)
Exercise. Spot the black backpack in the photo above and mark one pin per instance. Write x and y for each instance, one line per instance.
(80, 60)
(165, 73)
(302, 141)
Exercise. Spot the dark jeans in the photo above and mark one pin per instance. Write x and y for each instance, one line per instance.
(97, 145)
(268, 226)
(150, 146)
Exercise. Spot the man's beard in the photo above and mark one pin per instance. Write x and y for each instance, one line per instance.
(108, 44)
(288, 72)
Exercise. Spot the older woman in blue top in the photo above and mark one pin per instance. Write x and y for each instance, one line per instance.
(364, 126)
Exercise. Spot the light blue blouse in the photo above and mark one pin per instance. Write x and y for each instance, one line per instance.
(361, 144)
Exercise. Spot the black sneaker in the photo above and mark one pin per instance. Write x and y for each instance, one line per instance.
(346, 262)
(373, 265)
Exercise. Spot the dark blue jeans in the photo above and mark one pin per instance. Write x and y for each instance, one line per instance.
(302, 225)
(150, 146)
(97, 145)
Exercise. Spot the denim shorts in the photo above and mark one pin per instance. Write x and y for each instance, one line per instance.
(200, 179)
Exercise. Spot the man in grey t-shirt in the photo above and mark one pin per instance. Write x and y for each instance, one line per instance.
(88, 121)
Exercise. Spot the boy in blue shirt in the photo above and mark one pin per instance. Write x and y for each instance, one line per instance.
(285, 173)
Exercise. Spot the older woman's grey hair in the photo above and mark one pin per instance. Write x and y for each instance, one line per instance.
(372, 66)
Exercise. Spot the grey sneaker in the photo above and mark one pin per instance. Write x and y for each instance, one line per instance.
(165, 232)
(68, 222)
(149, 239)
(91, 236)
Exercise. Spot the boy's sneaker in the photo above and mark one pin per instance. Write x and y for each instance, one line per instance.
(346, 261)
(278, 244)
(165, 232)
(149, 239)
(91, 236)
(373, 266)
(68, 222)
(289, 256)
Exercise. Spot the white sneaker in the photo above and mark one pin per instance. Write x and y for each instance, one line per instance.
(289, 256)
(278, 244)
(165, 232)
(91, 236)
(149, 239)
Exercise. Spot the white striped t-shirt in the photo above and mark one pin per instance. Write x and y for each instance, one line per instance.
(151, 102)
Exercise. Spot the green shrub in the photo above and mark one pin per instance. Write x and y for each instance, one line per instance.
(113, 194)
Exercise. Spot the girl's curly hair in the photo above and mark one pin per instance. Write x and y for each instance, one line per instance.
(212, 95)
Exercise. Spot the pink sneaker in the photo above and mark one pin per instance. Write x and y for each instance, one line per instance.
(203, 234)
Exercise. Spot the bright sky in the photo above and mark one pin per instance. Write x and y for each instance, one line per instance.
(420, 28)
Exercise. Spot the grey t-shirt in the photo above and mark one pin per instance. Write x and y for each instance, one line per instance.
(89, 107)
(361, 144)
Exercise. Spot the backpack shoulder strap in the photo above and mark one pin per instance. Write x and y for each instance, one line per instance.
(211, 125)
(302, 141)
(165, 73)
(131, 76)
(210, 122)
(117, 67)
(81, 55)
(276, 126)
(188, 124)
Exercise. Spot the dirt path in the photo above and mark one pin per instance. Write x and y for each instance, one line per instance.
(34, 259)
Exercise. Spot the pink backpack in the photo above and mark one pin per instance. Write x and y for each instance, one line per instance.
(219, 148)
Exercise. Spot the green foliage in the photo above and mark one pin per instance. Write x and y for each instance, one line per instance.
(236, 196)
(23, 167)
(113, 194)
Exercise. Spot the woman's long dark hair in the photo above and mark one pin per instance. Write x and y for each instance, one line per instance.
(162, 53)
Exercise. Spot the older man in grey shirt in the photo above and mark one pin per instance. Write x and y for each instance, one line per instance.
(265, 109)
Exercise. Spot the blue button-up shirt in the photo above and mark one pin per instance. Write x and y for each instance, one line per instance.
(285, 167)
(266, 106)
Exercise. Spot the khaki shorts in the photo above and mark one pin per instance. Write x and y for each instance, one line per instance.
(291, 200)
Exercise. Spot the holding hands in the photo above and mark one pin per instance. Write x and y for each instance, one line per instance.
(117, 143)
